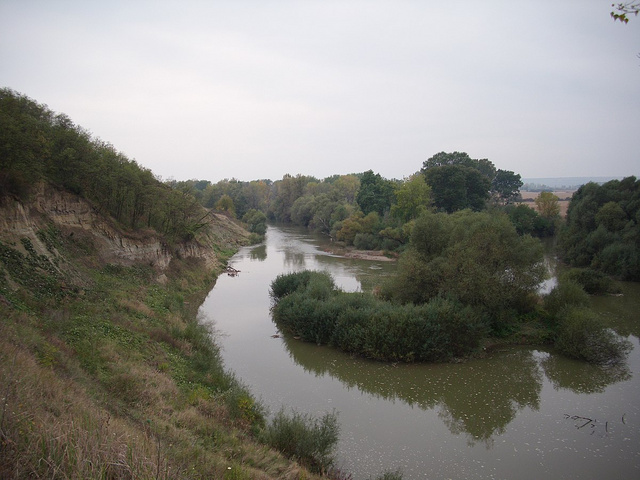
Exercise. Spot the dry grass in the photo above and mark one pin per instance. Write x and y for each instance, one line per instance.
(109, 390)
(57, 424)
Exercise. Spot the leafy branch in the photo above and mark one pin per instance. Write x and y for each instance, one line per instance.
(624, 9)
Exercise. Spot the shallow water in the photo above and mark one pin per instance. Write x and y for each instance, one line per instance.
(521, 412)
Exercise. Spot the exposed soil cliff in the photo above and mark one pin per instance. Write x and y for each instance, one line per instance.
(76, 217)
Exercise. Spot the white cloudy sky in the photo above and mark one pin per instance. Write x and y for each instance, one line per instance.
(256, 89)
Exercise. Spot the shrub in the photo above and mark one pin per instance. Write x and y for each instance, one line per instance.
(582, 335)
(287, 283)
(366, 241)
(567, 293)
(395, 475)
(361, 324)
(309, 440)
(592, 281)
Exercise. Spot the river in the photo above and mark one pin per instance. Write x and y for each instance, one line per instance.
(522, 413)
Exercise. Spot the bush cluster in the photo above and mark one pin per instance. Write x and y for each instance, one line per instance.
(307, 439)
(309, 305)
(603, 230)
(579, 332)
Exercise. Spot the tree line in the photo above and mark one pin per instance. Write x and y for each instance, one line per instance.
(370, 212)
(38, 145)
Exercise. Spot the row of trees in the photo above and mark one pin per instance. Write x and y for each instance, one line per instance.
(371, 212)
(38, 145)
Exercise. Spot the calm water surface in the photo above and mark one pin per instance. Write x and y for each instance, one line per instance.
(520, 413)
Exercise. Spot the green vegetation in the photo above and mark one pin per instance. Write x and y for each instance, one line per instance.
(582, 335)
(257, 224)
(578, 332)
(115, 378)
(466, 278)
(308, 440)
(105, 370)
(529, 222)
(38, 146)
(119, 380)
(602, 231)
(477, 258)
(309, 306)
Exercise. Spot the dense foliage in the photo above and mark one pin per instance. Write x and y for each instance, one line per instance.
(476, 257)
(370, 212)
(578, 332)
(310, 441)
(38, 145)
(459, 181)
(529, 222)
(310, 306)
(603, 228)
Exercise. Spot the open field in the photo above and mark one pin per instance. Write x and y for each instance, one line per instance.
(563, 195)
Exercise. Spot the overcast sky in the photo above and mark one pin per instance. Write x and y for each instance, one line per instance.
(257, 89)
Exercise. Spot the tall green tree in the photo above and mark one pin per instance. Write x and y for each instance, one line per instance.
(505, 186)
(375, 193)
(547, 204)
(458, 181)
(475, 257)
(456, 187)
(413, 197)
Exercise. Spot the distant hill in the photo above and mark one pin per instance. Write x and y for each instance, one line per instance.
(564, 183)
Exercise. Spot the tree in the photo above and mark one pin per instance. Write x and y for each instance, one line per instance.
(225, 204)
(456, 187)
(612, 217)
(529, 222)
(375, 193)
(475, 257)
(484, 166)
(256, 221)
(603, 228)
(506, 186)
(547, 204)
(458, 181)
(413, 197)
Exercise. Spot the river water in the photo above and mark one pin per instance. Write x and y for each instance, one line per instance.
(520, 413)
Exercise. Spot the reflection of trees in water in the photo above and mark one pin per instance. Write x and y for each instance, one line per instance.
(621, 312)
(477, 398)
(292, 258)
(259, 253)
(368, 273)
(488, 394)
(582, 377)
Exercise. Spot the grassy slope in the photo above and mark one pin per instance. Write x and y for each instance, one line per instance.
(105, 373)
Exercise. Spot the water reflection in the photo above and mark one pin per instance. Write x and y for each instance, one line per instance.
(621, 312)
(479, 400)
(579, 377)
(259, 253)
(517, 414)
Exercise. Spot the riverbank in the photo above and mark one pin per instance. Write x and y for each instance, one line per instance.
(106, 371)
(372, 255)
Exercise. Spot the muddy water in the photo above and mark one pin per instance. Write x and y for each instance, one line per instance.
(520, 413)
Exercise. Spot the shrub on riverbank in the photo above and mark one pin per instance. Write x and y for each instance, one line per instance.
(310, 441)
(582, 335)
(592, 281)
(579, 332)
(120, 380)
(309, 306)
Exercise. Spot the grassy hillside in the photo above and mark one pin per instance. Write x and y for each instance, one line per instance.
(105, 371)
